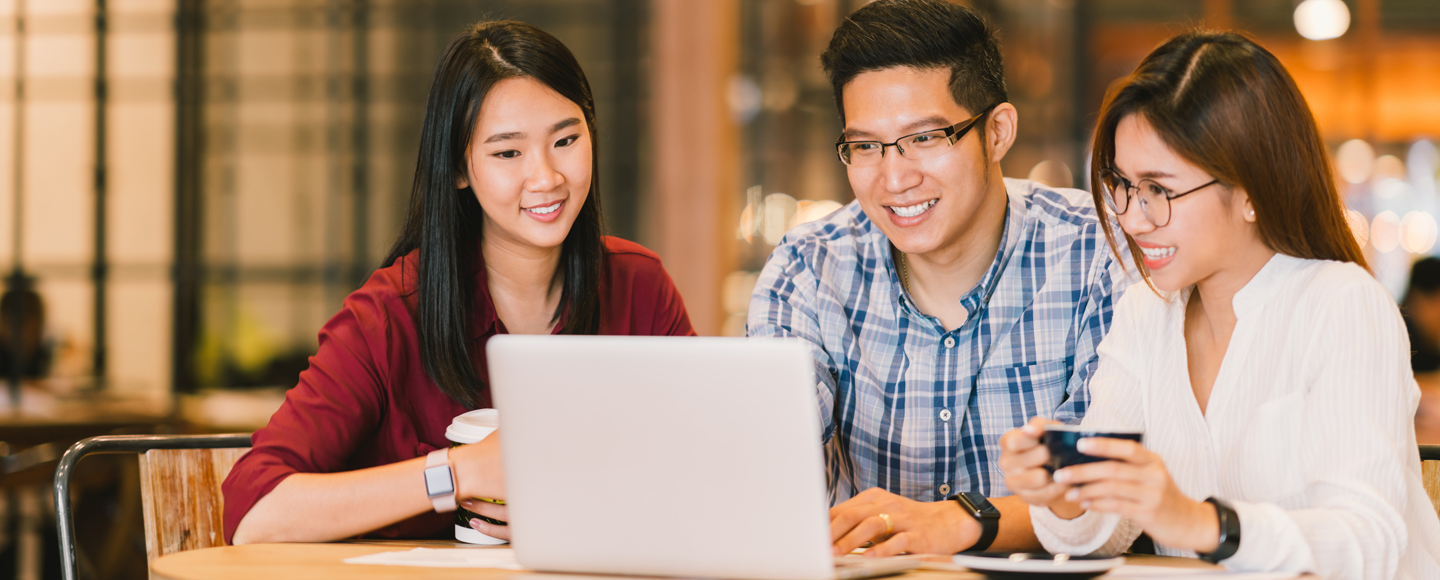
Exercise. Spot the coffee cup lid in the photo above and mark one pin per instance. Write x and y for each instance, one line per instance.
(473, 426)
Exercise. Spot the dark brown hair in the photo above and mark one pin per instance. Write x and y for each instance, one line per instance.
(1226, 104)
(923, 34)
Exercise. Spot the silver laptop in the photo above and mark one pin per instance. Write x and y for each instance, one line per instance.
(666, 456)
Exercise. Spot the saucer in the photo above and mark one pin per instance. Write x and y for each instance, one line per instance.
(1018, 565)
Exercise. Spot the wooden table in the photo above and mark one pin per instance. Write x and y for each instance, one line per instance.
(324, 562)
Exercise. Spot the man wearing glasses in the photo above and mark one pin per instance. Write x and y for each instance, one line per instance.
(947, 305)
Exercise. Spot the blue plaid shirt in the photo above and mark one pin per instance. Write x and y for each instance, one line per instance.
(912, 408)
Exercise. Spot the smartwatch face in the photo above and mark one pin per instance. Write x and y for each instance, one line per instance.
(438, 482)
(979, 505)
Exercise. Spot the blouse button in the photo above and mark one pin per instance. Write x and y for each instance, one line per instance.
(949, 342)
(944, 490)
(944, 414)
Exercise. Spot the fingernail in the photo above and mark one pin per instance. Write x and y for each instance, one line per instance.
(1072, 495)
(1085, 504)
(1062, 476)
(1031, 430)
(475, 523)
(1085, 445)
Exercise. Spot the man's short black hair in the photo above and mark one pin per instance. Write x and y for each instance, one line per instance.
(924, 34)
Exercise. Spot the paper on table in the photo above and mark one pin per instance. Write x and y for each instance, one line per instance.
(1138, 572)
(502, 558)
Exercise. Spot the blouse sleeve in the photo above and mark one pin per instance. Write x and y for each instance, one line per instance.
(671, 318)
(1116, 402)
(1357, 447)
(336, 404)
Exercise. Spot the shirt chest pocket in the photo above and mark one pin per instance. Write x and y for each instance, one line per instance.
(1012, 395)
(1269, 467)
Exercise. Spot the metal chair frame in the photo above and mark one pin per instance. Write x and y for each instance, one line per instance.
(64, 518)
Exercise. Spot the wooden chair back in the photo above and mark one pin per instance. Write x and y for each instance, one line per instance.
(180, 493)
(1430, 473)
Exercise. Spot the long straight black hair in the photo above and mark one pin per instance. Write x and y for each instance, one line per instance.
(445, 222)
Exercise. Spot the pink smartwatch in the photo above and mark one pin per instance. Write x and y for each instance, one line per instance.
(440, 480)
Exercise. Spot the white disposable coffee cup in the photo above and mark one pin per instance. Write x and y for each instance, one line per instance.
(472, 427)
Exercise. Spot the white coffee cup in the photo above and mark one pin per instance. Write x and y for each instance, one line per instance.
(472, 427)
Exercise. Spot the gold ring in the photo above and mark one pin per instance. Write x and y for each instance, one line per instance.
(886, 518)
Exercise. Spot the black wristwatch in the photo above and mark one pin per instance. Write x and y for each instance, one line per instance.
(984, 512)
(1229, 532)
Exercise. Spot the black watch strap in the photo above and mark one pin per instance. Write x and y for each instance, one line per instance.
(1229, 532)
(984, 512)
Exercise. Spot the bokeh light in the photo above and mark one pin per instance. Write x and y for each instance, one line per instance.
(1358, 226)
(1052, 173)
(744, 98)
(1388, 167)
(1417, 232)
(779, 209)
(747, 224)
(776, 214)
(1355, 160)
(1391, 188)
(1385, 231)
(1422, 162)
(809, 211)
(1322, 19)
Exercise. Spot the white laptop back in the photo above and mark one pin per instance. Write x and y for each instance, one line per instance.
(662, 456)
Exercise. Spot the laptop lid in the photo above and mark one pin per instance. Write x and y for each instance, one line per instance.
(663, 456)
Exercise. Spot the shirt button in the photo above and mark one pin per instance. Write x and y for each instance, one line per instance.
(949, 342)
(944, 414)
(945, 490)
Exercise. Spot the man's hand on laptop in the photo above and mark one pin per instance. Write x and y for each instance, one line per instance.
(898, 525)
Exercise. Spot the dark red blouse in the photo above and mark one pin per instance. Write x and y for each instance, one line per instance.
(366, 401)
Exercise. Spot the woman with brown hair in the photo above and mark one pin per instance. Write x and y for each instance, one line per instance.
(1267, 368)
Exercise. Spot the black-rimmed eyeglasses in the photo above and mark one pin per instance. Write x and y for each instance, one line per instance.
(914, 146)
(1154, 198)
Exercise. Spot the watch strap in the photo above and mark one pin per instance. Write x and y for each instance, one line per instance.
(1229, 522)
(980, 508)
(437, 468)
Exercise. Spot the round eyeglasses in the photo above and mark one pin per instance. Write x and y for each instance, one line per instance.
(1154, 199)
(914, 146)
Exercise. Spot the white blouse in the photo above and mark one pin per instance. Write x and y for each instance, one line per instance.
(1309, 432)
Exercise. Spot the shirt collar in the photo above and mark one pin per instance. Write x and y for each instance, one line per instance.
(1015, 212)
(1265, 285)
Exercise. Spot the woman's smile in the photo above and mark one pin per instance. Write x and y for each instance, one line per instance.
(1156, 256)
(545, 213)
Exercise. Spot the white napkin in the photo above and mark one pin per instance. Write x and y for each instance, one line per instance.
(502, 558)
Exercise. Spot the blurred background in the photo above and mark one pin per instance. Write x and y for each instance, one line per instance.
(189, 188)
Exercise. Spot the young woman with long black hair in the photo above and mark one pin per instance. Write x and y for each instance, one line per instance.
(503, 235)
(1268, 370)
